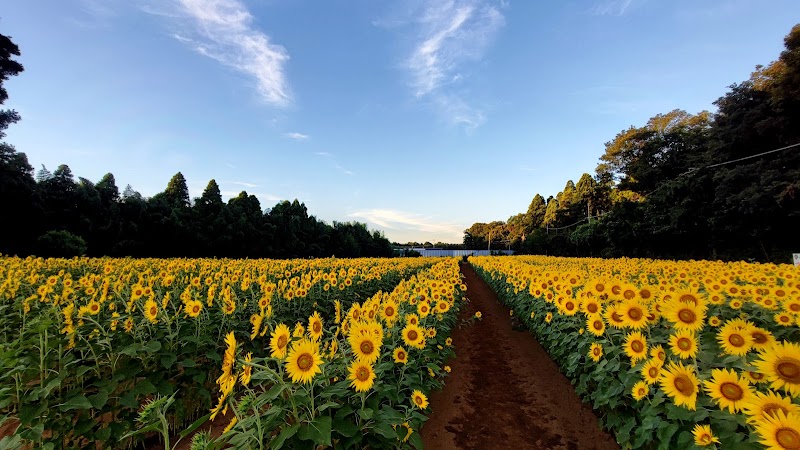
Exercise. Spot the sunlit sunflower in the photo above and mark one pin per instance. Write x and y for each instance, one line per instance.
(548, 317)
(419, 399)
(389, 312)
(755, 377)
(247, 370)
(595, 324)
(703, 435)
(680, 383)
(255, 320)
(362, 376)
(714, 321)
(734, 340)
(760, 405)
(686, 315)
(614, 316)
(413, 319)
(683, 344)
(414, 336)
(784, 319)
(728, 389)
(640, 390)
(651, 371)
(591, 306)
(365, 346)
(279, 341)
(315, 326)
(781, 365)
(151, 311)
(779, 431)
(400, 355)
(657, 352)
(761, 338)
(596, 352)
(636, 346)
(193, 308)
(634, 314)
(303, 361)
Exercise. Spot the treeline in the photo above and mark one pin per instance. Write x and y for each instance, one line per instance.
(683, 185)
(55, 215)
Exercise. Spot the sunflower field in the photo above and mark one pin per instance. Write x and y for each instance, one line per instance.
(691, 354)
(112, 353)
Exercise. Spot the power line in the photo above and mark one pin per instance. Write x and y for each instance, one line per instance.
(751, 156)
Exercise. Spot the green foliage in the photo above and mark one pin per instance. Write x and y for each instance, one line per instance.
(60, 244)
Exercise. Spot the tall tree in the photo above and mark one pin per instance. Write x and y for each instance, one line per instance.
(8, 68)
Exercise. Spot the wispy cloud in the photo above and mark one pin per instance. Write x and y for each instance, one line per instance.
(449, 34)
(611, 7)
(297, 136)
(222, 30)
(335, 164)
(403, 221)
(244, 183)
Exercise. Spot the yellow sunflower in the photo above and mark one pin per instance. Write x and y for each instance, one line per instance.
(634, 314)
(636, 346)
(761, 338)
(658, 353)
(686, 315)
(703, 435)
(362, 376)
(761, 405)
(728, 389)
(591, 306)
(419, 399)
(734, 340)
(303, 361)
(680, 383)
(596, 352)
(315, 326)
(193, 308)
(595, 324)
(548, 317)
(400, 355)
(640, 390)
(389, 312)
(414, 336)
(614, 316)
(279, 341)
(781, 364)
(151, 311)
(683, 344)
(651, 371)
(365, 346)
(779, 431)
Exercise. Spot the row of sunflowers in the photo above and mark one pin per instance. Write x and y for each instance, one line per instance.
(84, 342)
(690, 354)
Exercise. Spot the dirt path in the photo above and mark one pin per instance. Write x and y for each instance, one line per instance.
(504, 391)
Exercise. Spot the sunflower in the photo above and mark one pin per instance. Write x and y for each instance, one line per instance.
(598, 286)
(548, 317)
(303, 361)
(595, 324)
(714, 321)
(779, 430)
(591, 306)
(256, 320)
(423, 308)
(389, 312)
(636, 346)
(193, 308)
(362, 376)
(652, 371)
(784, 319)
(634, 314)
(419, 399)
(658, 353)
(728, 389)
(315, 326)
(683, 344)
(413, 319)
(640, 390)
(703, 435)
(365, 346)
(734, 340)
(755, 377)
(414, 336)
(761, 338)
(596, 352)
(151, 311)
(279, 341)
(400, 355)
(247, 369)
(781, 364)
(761, 405)
(686, 315)
(614, 317)
(680, 383)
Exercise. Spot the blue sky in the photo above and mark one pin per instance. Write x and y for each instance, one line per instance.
(417, 117)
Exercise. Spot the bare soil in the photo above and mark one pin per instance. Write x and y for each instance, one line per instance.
(504, 391)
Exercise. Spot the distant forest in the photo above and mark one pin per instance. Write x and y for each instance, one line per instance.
(52, 214)
(712, 186)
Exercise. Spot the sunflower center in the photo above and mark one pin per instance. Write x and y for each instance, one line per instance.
(705, 438)
(788, 438)
(596, 351)
(731, 391)
(597, 325)
(789, 369)
(389, 311)
(616, 290)
(759, 337)
(282, 341)
(637, 346)
(153, 311)
(635, 313)
(362, 374)
(629, 294)
(401, 355)
(599, 287)
(780, 293)
(736, 340)
(770, 409)
(317, 327)
(684, 344)
(684, 385)
(412, 335)
(305, 361)
(687, 316)
(645, 294)
(616, 317)
(688, 298)
(418, 400)
(592, 308)
(196, 309)
(366, 347)
(756, 375)
(652, 372)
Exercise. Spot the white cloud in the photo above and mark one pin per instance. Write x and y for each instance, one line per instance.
(399, 221)
(611, 7)
(222, 30)
(448, 35)
(297, 136)
(322, 153)
(244, 183)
